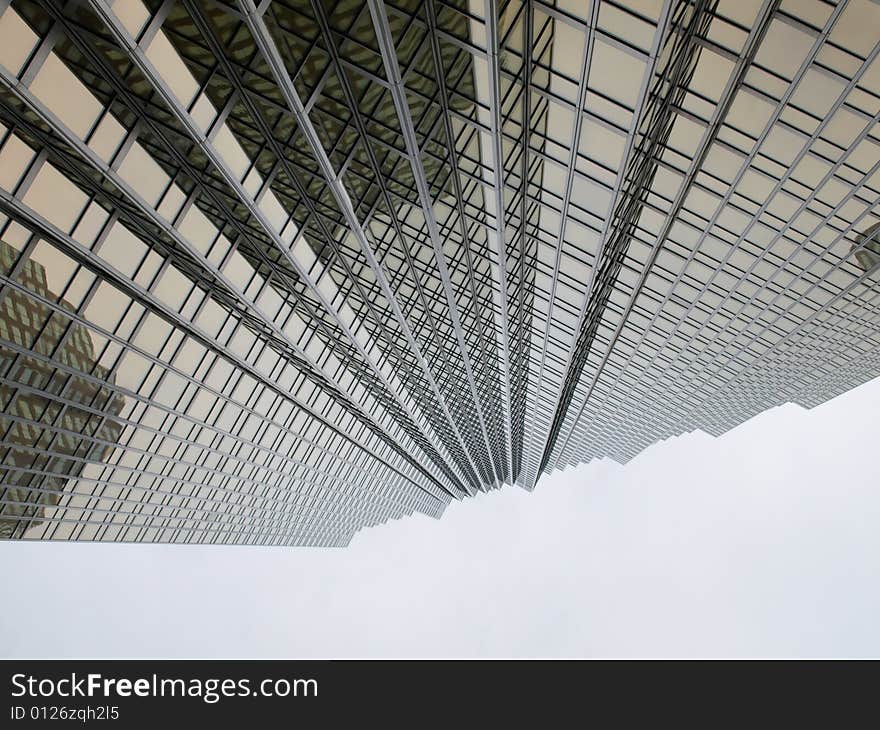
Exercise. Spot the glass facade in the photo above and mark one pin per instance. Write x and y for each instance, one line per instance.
(276, 271)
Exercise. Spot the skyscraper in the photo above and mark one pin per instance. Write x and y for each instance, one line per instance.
(342, 261)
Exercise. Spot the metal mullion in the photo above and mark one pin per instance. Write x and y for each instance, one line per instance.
(659, 34)
(68, 377)
(757, 34)
(478, 326)
(386, 46)
(867, 335)
(474, 179)
(799, 330)
(9, 280)
(164, 435)
(207, 34)
(129, 524)
(105, 13)
(285, 490)
(272, 56)
(492, 51)
(336, 514)
(378, 178)
(755, 150)
(563, 217)
(414, 19)
(528, 208)
(78, 253)
(284, 482)
(425, 271)
(104, 170)
(122, 183)
(773, 348)
(860, 281)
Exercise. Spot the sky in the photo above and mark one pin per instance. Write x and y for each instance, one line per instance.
(761, 543)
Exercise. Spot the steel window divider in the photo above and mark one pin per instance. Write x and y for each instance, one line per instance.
(123, 37)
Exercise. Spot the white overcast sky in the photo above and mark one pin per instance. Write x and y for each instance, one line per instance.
(764, 542)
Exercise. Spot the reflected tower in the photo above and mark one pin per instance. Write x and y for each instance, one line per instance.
(57, 412)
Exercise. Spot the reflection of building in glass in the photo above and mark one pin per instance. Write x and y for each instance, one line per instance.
(353, 260)
(53, 422)
(867, 248)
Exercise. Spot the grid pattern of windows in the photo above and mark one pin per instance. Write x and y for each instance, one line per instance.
(272, 272)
